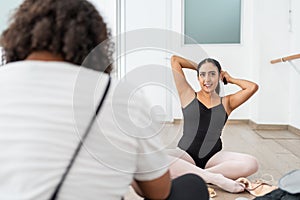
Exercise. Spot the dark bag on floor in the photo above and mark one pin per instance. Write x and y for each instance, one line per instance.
(289, 188)
(279, 194)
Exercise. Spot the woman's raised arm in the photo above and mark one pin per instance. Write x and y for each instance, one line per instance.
(238, 98)
(183, 87)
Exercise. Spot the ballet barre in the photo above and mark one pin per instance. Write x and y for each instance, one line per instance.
(287, 58)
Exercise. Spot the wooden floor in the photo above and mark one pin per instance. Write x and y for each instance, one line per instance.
(278, 152)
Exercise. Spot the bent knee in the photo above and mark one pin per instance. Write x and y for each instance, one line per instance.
(252, 165)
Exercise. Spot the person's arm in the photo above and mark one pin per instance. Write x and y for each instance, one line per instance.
(183, 87)
(238, 98)
(158, 188)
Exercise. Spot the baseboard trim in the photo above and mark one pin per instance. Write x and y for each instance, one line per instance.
(277, 127)
(256, 126)
(177, 121)
(294, 129)
(274, 127)
(237, 121)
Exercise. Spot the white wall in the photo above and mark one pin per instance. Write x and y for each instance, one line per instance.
(6, 9)
(277, 101)
(271, 40)
(145, 47)
(107, 9)
(279, 96)
(294, 103)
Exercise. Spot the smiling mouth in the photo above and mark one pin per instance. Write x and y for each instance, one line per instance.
(207, 85)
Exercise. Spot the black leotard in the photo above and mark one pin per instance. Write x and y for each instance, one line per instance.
(202, 130)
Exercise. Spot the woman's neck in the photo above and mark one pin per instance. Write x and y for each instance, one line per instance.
(208, 95)
(44, 56)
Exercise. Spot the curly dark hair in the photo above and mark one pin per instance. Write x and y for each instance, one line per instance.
(69, 28)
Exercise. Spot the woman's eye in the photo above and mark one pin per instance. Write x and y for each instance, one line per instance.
(202, 75)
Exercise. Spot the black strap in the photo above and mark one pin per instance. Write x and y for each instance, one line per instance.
(57, 189)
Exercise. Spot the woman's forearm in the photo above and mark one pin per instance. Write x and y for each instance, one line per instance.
(184, 63)
(244, 84)
(238, 98)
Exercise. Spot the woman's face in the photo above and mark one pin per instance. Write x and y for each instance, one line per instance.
(208, 77)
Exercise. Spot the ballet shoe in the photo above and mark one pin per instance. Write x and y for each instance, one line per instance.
(257, 188)
(212, 193)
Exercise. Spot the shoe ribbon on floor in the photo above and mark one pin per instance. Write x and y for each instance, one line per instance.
(257, 188)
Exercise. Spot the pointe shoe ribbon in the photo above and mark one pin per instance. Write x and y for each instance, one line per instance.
(257, 188)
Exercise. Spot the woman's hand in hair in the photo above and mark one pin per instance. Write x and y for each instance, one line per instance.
(224, 74)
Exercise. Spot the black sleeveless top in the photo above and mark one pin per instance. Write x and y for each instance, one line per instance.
(202, 130)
